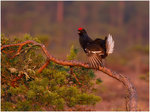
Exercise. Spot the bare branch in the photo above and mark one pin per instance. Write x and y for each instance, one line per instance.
(131, 98)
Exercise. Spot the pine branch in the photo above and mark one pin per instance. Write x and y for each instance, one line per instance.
(131, 99)
(71, 71)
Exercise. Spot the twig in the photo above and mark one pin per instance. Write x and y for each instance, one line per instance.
(9, 52)
(132, 101)
(44, 66)
(71, 71)
(16, 79)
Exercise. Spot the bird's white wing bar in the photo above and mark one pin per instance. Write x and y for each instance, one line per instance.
(96, 51)
(109, 44)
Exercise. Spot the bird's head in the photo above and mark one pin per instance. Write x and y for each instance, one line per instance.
(81, 31)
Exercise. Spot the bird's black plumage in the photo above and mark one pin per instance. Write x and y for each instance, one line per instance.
(95, 49)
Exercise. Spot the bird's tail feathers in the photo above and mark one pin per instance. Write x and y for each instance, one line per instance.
(95, 61)
(109, 44)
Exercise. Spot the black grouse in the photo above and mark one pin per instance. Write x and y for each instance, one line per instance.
(97, 49)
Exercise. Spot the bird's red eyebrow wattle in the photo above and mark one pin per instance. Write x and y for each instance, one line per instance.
(80, 29)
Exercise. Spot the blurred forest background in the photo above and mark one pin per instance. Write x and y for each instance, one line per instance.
(57, 24)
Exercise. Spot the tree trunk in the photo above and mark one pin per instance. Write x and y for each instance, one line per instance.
(121, 12)
(60, 11)
(83, 13)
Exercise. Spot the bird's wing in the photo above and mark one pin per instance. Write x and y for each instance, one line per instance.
(94, 52)
(109, 44)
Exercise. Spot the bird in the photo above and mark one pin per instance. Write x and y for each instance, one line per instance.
(97, 49)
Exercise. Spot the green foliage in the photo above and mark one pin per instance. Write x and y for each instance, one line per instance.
(7, 106)
(53, 89)
(43, 38)
(88, 99)
(91, 74)
(23, 105)
(98, 81)
(73, 53)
